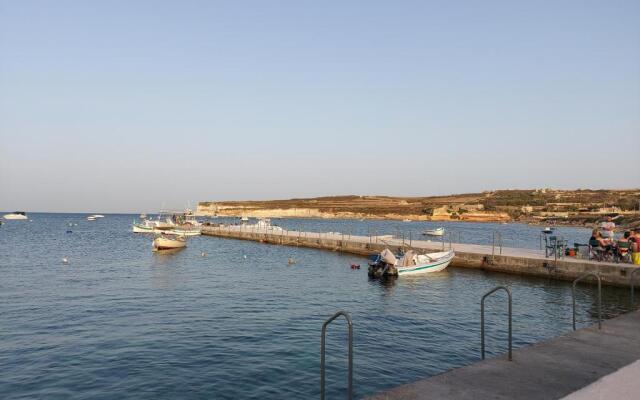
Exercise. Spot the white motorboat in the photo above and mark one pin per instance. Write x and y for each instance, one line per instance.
(16, 215)
(264, 224)
(151, 226)
(434, 232)
(169, 243)
(91, 218)
(410, 263)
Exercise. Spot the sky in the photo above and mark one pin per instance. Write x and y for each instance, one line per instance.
(131, 106)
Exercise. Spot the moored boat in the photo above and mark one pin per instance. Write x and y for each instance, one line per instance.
(411, 263)
(184, 231)
(162, 242)
(143, 227)
(16, 215)
(434, 232)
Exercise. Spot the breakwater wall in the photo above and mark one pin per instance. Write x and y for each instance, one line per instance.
(490, 258)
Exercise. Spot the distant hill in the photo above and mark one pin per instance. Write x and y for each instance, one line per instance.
(535, 205)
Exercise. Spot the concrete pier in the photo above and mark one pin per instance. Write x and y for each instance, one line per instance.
(548, 370)
(490, 258)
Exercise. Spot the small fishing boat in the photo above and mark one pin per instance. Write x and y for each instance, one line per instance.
(16, 215)
(547, 229)
(184, 231)
(434, 232)
(143, 227)
(162, 242)
(411, 263)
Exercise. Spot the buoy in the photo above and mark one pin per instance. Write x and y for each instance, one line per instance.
(355, 266)
(203, 254)
(245, 256)
(65, 260)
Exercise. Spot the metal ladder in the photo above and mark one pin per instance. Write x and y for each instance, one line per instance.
(322, 352)
(495, 289)
(573, 295)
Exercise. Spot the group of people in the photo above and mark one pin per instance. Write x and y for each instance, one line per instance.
(603, 238)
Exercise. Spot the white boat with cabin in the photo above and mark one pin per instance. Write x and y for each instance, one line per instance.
(434, 232)
(16, 215)
(411, 263)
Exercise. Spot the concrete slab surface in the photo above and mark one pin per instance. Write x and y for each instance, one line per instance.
(547, 370)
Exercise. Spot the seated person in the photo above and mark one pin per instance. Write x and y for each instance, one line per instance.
(602, 242)
(624, 244)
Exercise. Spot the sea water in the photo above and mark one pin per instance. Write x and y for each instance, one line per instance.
(229, 319)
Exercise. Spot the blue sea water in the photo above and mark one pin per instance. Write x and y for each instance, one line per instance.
(119, 321)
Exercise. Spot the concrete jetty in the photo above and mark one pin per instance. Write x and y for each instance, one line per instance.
(548, 370)
(490, 258)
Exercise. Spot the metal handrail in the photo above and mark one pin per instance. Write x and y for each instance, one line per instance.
(322, 351)
(495, 289)
(631, 284)
(573, 295)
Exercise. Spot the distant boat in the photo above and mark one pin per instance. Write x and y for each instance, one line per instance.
(434, 232)
(164, 243)
(16, 215)
(264, 224)
(143, 216)
(98, 215)
(406, 220)
(91, 218)
(547, 229)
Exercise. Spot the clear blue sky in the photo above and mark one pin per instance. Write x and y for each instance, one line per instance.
(131, 105)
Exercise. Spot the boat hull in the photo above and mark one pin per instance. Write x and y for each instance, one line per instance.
(163, 243)
(16, 217)
(183, 232)
(142, 229)
(434, 232)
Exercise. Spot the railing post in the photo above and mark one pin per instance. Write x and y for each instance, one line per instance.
(482, 318)
(632, 286)
(493, 246)
(322, 352)
(573, 295)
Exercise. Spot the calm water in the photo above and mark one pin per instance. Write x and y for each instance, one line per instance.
(122, 322)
